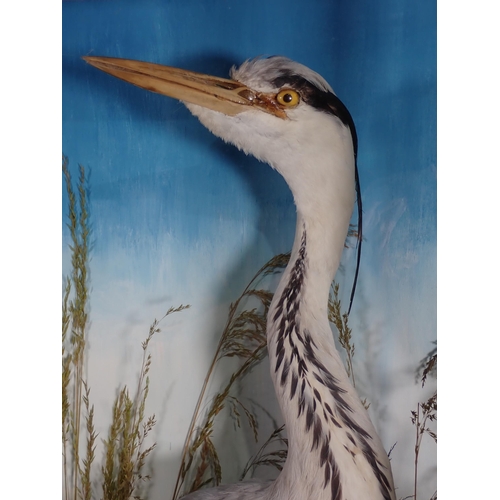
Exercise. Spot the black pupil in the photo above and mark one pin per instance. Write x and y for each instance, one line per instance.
(287, 98)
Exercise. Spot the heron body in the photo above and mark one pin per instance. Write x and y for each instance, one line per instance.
(288, 116)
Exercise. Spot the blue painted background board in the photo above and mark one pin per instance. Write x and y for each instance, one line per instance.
(180, 217)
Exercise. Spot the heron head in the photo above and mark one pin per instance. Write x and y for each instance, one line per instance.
(266, 100)
(275, 109)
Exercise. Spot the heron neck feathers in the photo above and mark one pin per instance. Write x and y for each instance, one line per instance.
(334, 451)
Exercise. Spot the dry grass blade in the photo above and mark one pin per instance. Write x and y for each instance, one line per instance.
(275, 458)
(203, 441)
(277, 263)
(66, 380)
(427, 366)
(125, 455)
(234, 403)
(340, 321)
(244, 337)
(110, 446)
(90, 452)
(75, 320)
(426, 412)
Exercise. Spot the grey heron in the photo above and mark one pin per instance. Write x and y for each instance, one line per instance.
(288, 116)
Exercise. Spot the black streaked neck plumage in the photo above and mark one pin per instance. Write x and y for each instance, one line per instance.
(334, 451)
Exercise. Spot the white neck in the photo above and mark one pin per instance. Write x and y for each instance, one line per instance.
(334, 451)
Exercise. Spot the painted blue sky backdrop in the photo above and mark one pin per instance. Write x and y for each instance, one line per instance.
(180, 217)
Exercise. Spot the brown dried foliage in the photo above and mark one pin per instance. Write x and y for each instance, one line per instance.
(243, 337)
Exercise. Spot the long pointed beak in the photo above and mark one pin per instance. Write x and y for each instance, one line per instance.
(218, 94)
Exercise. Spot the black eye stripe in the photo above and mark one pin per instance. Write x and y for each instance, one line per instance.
(319, 99)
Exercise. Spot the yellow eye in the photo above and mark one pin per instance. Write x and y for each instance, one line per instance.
(288, 98)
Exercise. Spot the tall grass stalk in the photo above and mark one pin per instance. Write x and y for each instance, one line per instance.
(340, 320)
(275, 458)
(75, 321)
(244, 337)
(124, 451)
(125, 456)
(425, 413)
